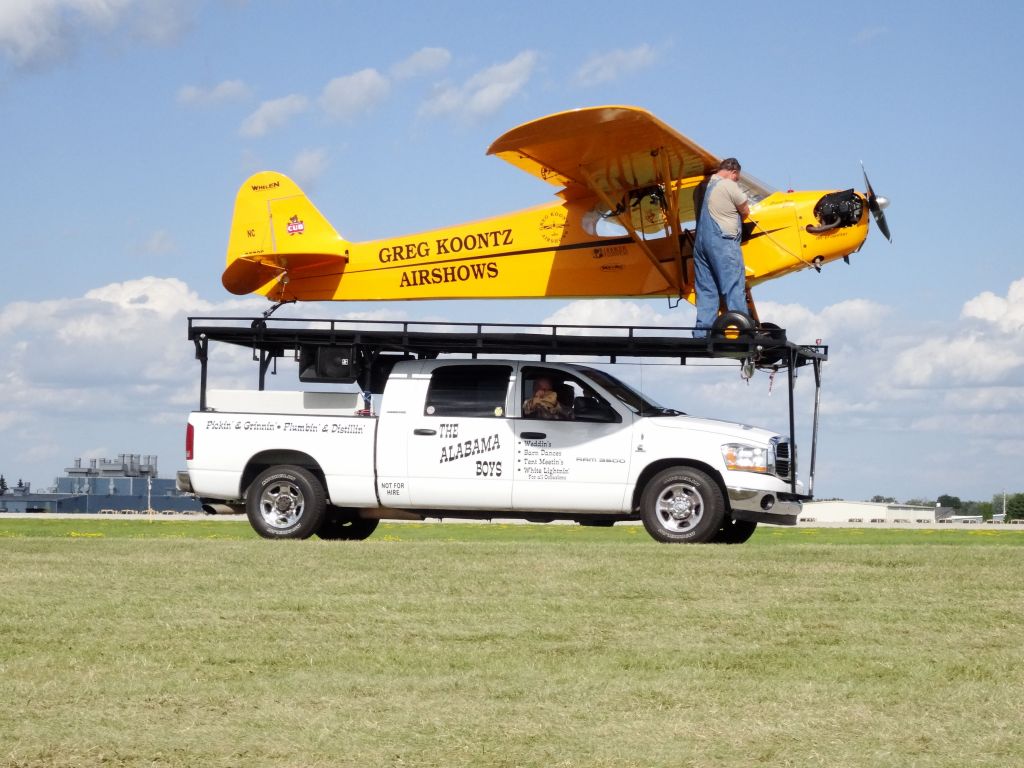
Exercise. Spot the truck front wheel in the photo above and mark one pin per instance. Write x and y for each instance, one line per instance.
(682, 505)
(285, 502)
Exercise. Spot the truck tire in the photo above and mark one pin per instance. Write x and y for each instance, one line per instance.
(285, 502)
(682, 505)
(341, 524)
(734, 531)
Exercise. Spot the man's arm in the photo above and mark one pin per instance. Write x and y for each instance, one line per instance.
(738, 198)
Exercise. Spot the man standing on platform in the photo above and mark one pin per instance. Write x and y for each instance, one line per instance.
(718, 269)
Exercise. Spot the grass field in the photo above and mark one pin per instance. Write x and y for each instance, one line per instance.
(193, 643)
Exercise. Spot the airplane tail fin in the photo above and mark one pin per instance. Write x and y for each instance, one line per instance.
(276, 234)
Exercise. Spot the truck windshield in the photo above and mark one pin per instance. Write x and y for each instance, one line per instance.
(628, 396)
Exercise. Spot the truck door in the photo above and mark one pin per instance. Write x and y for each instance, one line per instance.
(573, 446)
(461, 446)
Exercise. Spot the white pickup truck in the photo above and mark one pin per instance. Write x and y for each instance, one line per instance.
(460, 438)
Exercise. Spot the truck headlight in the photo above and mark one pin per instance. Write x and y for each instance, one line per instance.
(748, 458)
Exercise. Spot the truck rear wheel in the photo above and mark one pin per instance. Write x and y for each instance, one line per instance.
(682, 505)
(285, 502)
(344, 524)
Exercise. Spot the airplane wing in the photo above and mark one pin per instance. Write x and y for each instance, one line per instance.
(609, 151)
(624, 156)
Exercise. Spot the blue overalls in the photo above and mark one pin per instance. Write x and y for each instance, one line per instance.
(717, 268)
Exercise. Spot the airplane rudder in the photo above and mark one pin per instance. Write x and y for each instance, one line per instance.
(273, 215)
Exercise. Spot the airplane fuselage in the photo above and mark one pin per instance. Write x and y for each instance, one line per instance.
(559, 250)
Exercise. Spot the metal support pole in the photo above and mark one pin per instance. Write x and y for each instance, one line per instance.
(202, 344)
(792, 418)
(814, 427)
(265, 358)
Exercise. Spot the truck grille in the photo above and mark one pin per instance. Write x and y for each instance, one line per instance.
(785, 458)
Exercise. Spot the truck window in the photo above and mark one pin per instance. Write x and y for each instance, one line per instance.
(628, 396)
(468, 390)
(549, 393)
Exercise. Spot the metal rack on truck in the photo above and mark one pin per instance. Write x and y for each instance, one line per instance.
(364, 351)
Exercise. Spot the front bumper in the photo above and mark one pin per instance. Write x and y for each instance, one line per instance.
(759, 506)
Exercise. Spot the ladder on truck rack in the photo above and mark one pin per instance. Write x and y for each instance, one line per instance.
(363, 351)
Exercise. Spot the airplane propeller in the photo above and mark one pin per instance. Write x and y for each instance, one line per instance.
(877, 206)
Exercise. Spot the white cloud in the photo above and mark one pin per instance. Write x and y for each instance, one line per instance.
(613, 65)
(163, 296)
(485, 92)
(854, 315)
(989, 350)
(161, 22)
(108, 365)
(113, 371)
(948, 361)
(309, 165)
(1005, 314)
(274, 114)
(222, 93)
(344, 98)
(34, 33)
(424, 62)
(619, 312)
(160, 243)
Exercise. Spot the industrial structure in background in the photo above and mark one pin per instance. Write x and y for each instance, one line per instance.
(857, 512)
(129, 483)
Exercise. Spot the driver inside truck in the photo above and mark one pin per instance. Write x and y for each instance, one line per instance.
(545, 402)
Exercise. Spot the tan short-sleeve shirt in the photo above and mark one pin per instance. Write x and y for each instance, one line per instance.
(726, 196)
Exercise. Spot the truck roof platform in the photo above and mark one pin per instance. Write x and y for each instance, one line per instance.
(281, 337)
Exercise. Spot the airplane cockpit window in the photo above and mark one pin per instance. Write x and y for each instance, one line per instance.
(755, 189)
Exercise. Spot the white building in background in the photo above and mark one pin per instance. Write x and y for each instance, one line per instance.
(870, 512)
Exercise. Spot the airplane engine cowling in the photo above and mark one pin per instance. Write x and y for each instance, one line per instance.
(837, 209)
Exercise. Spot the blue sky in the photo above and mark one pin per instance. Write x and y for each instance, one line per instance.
(128, 125)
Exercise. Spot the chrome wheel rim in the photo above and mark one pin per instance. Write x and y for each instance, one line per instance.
(679, 507)
(281, 504)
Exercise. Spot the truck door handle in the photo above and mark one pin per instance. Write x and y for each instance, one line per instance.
(424, 431)
(533, 435)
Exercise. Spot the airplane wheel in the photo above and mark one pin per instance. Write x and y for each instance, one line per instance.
(730, 325)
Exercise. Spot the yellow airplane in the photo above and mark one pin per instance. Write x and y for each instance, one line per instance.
(621, 225)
